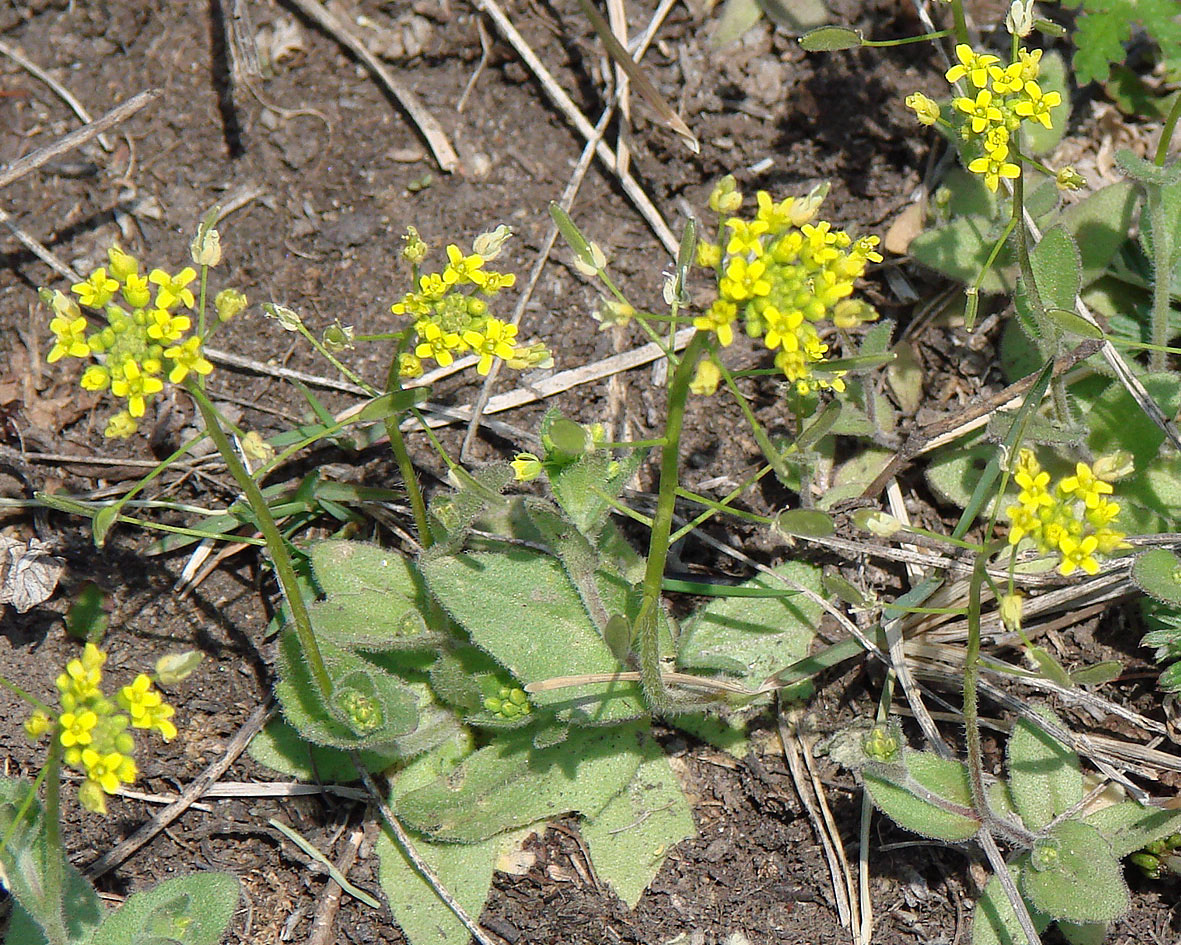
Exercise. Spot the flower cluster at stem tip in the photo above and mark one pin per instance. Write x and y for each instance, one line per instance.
(450, 310)
(145, 340)
(1072, 518)
(784, 273)
(93, 730)
(999, 98)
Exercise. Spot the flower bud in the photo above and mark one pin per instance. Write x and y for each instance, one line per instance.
(526, 467)
(593, 262)
(725, 198)
(122, 264)
(175, 667)
(415, 249)
(705, 381)
(256, 448)
(1068, 178)
(337, 337)
(613, 314)
(1019, 19)
(228, 303)
(805, 210)
(877, 522)
(1010, 609)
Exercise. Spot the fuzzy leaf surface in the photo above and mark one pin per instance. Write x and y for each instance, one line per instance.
(188, 910)
(994, 920)
(521, 608)
(1044, 775)
(1157, 572)
(909, 793)
(630, 837)
(510, 783)
(753, 637)
(1128, 827)
(1082, 882)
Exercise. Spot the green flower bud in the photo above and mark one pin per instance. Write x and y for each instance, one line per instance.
(228, 303)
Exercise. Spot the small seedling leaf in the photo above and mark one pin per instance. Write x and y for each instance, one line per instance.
(1097, 674)
(1044, 775)
(928, 795)
(1157, 572)
(830, 39)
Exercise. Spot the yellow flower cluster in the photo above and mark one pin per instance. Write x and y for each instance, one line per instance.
(1000, 98)
(1071, 519)
(93, 733)
(145, 338)
(784, 275)
(451, 317)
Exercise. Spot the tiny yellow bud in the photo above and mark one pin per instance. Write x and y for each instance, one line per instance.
(705, 381)
(725, 197)
(1113, 466)
(1068, 178)
(1010, 609)
(415, 249)
(228, 303)
(255, 447)
(526, 467)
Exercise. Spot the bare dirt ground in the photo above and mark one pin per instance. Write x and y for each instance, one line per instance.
(331, 171)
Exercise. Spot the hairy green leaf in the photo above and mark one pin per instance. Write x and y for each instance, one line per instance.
(1073, 875)
(926, 794)
(1044, 775)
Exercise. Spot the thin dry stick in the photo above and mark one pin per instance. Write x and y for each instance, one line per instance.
(566, 202)
(424, 868)
(788, 738)
(121, 851)
(617, 18)
(330, 898)
(60, 90)
(559, 97)
(435, 136)
(39, 249)
(18, 169)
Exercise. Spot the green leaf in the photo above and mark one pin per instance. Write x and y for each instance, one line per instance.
(630, 837)
(1118, 423)
(909, 794)
(1044, 775)
(1056, 265)
(584, 488)
(521, 608)
(1157, 572)
(805, 523)
(1099, 36)
(29, 867)
(960, 248)
(391, 404)
(751, 637)
(1128, 827)
(830, 39)
(1091, 933)
(188, 910)
(1073, 875)
(737, 17)
(379, 707)
(1099, 225)
(954, 474)
(510, 783)
(994, 920)
(104, 520)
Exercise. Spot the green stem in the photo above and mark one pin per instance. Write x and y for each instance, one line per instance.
(1166, 133)
(55, 853)
(961, 23)
(280, 557)
(939, 34)
(1162, 252)
(646, 628)
(405, 464)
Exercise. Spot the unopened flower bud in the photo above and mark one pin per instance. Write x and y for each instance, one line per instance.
(705, 381)
(593, 262)
(526, 467)
(804, 210)
(1011, 609)
(1069, 179)
(415, 249)
(725, 198)
(877, 522)
(228, 303)
(176, 667)
(255, 447)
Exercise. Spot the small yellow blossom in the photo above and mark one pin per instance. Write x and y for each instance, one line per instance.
(1036, 105)
(136, 386)
(436, 343)
(981, 111)
(1068, 178)
(709, 255)
(971, 64)
(120, 426)
(70, 338)
(165, 327)
(173, 290)
(494, 339)
(97, 290)
(993, 166)
(463, 269)
(719, 318)
(186, 357)
(706, 378)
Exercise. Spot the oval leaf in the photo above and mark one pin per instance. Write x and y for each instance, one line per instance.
(805, 523)
(1158, 574)
(830, 38)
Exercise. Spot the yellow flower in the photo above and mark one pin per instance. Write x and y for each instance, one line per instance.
(106, 770)
(981, 111)
(1007, 80)
(463, 269)
(76, 728)
(228, 303)
(97, 290)
(971, 64)
(719, 318)
(409, 365)
(436, 343)
(37, 725)
(1085, 485)
(725, 197)
(494, 340)
(137, 386)
(1030, 63)
(70, 338)
(1068, 178)
(777, 216)
(709, 255)
(781, 328)
(166, 327)
(186, 357)
(136, 291)
(526, 467)
(926, 110)
(1036, 104)
(706, 379)
(994, 166)
(173, 289)
(495, 281)
(96, 377)
(1078, 554)
(744, 280)
(744, 237)
(123, 264)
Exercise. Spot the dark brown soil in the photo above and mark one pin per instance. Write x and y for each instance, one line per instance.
(340, 172)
